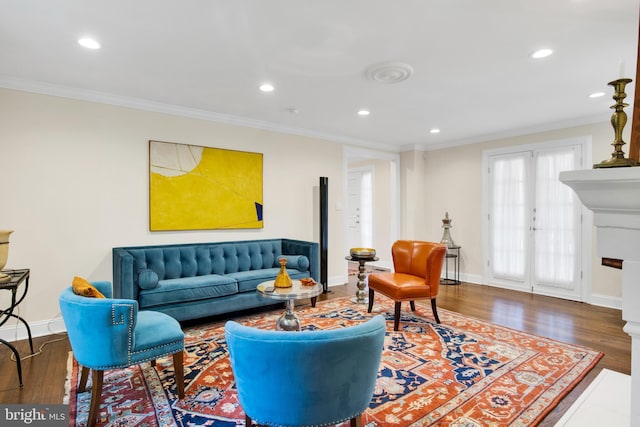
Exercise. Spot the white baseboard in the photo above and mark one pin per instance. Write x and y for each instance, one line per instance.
(471, 278)
(15, 331)
(606, 301)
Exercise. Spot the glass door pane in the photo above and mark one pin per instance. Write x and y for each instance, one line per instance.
(556, 221)
(508, 217)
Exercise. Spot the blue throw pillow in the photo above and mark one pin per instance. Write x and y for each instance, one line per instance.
(147, 279)
(298, 262)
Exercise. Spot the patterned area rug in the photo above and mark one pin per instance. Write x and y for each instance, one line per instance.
(463, 372)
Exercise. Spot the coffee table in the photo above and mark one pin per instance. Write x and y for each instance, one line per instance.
(289, 321)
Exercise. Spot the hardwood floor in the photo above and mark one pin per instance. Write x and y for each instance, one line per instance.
(591, 326)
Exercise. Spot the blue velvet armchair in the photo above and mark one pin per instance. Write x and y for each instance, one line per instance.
(305, 378)
(107, 333)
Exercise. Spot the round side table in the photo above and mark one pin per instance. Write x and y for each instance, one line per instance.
(289, 321)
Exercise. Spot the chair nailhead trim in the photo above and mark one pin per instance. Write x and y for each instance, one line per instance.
(122, 322)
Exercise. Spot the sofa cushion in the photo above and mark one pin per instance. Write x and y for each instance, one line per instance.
(147, 279)
(297, 262)
(248, 280)
(186, 289)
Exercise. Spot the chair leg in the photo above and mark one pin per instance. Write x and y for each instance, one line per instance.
(371, 294)
(413, 305)
(435, 310)
(153, 363)
(83, 379)
(356, 421)
(178, 368)
(396, 319)
(96, 395)
(247, 420)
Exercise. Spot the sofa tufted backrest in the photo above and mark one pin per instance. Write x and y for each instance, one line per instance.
(173, 262)
(195, 259)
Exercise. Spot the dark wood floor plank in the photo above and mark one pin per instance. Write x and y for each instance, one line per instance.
(595, 327)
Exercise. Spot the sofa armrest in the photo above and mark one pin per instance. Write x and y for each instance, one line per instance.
(124, 275)
(308, 249)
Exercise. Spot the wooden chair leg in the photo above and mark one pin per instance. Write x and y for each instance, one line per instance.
(356, 421)
(413, 305)
(247, 421)
(96, 396)
(178, 368)
(396, 319)
(153, 363)
(313, 301)
(84, 375)
(435, 310)
(371, 294)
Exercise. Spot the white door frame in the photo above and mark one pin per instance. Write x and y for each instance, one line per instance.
(350, 154)
(587, 216)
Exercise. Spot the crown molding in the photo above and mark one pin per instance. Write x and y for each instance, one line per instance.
(511, 133)
(44, 88)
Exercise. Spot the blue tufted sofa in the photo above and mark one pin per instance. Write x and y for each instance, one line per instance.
(190, 281)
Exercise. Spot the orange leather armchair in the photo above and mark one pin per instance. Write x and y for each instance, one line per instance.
(417, 267)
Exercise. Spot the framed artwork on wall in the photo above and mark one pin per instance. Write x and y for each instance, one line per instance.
(202, 188)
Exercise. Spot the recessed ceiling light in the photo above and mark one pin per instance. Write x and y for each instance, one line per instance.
(541, 53)
(363, 112)
(596, 95)
(434, 130)
(266, 87)
(89, 43)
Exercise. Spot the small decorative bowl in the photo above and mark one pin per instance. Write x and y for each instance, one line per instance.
(307, 281)
(362, 253)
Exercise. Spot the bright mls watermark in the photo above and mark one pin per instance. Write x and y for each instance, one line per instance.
(34, 415)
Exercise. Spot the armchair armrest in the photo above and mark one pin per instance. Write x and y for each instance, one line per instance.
(308, 249)
(124, 275)
(100, 329)
(104, 287)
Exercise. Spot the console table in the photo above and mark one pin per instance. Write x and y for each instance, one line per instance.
(17, 278)
(454, 254)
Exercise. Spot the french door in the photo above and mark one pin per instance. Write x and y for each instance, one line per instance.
(534, 224)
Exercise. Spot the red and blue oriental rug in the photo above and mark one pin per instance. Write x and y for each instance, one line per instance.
(463, 372)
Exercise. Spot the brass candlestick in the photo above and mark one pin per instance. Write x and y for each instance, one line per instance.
(618, 121)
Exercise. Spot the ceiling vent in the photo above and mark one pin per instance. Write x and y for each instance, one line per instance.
(389, 72)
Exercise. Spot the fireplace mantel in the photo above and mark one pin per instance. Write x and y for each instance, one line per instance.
(614, 197)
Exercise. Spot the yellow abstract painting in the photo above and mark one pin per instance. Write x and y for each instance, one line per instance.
(200, 188)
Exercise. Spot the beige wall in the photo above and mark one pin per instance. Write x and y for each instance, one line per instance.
(453, 178)
(76, 185)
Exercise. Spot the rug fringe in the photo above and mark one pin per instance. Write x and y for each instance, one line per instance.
(67, 380)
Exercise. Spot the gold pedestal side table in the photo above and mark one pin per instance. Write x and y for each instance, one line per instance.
(360, 297)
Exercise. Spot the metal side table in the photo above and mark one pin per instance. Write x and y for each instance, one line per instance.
(453, 253)
(360, 297)
(17, 277)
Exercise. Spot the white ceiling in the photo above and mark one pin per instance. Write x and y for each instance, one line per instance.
(472, 76)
